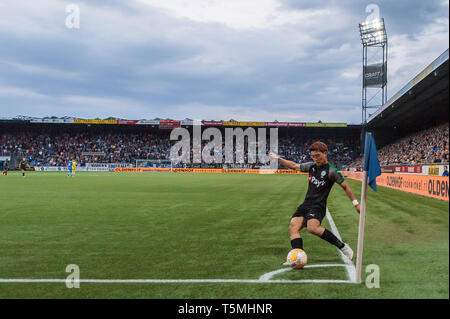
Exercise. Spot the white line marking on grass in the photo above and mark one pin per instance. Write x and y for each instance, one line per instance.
(176, 281)
(351, 269)
(269, 275)
(264, 279)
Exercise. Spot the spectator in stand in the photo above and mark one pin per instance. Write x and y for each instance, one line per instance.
(445, 173)
(425, 147)
(47, 149)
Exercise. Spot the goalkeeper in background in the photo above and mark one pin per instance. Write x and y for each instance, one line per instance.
(322, 176)
(72, 168)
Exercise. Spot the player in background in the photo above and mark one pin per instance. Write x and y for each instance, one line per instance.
(5, 168)
(69, 166)
(23, 164)
(322, 176)
(72, 168)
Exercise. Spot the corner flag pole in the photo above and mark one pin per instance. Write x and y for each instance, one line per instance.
(362, 213)
(362, 220)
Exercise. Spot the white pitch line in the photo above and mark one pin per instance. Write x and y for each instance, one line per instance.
(351, 269)
(269, 275)
(264, 279)
(189, 281)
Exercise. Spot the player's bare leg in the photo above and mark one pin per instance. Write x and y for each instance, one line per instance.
(296, 224)
(313, 226)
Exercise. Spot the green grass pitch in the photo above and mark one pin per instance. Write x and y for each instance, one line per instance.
(207, 226)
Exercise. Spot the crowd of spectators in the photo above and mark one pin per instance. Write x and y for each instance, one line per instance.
(340, 151)
(296, 149)
(425, 147)
(57, 149)
(50, 149)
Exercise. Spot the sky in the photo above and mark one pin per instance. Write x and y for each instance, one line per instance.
(247, 60)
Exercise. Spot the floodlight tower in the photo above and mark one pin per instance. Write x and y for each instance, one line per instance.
(374, 41)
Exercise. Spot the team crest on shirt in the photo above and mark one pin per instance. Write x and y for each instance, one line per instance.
(323, 173)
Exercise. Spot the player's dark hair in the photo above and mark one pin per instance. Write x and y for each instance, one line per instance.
(318, 146)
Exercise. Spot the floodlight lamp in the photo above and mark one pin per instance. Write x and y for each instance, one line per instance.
(373, 32)
(376, 24)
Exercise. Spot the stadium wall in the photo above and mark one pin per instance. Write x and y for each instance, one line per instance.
(207, 170)
(90, 167)
(429, 186)
(426, 169)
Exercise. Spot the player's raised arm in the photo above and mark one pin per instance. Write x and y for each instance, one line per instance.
(338, 178)
(285, 163)
(350, 195)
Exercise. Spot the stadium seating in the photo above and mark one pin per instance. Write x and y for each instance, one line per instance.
(425, 147)
(56, 147)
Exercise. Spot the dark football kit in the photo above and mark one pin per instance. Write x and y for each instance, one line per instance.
(321, 180)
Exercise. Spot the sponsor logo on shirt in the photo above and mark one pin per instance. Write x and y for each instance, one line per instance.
(318, 183)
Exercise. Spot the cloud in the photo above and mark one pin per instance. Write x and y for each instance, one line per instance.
(236, 14)
(409, 54)
(23, 93)
(265, 59)
(33, 69)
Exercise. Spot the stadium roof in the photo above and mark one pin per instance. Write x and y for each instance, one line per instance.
(437, 68)
(421, 103)
(185, 122)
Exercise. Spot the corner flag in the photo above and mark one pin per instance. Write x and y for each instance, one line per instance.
(371, 171)
(371, 163)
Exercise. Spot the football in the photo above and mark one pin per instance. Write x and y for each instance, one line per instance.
(297, 258)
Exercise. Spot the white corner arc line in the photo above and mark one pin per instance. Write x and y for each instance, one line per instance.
(269, 275)
(351, 269)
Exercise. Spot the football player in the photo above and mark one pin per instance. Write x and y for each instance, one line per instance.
(322, 176)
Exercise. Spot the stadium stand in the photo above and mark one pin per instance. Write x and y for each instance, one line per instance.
(429, 146)
(412, 127)
(57, 144)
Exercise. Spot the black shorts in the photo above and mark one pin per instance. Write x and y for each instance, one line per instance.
(310, 212)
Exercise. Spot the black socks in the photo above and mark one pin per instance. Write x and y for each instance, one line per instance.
(329, 237)
(297, 243)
